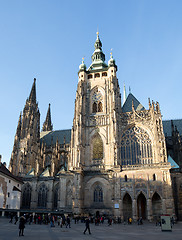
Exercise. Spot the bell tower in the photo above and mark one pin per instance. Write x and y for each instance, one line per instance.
(94, 140)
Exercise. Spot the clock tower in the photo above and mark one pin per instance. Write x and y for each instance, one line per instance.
(94, 140)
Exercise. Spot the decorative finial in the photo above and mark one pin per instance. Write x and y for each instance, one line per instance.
(97, 33)
(111, 53)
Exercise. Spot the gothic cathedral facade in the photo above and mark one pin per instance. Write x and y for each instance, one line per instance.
(113, 161)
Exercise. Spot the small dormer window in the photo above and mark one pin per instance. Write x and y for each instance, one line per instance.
(97, 75)
(104, 74)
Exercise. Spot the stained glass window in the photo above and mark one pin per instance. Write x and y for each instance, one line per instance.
(26, 197)
(97, 148)
(42, 196)
(136, 147)
(56, 192)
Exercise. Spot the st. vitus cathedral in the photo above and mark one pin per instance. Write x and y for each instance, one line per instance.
(113, 161)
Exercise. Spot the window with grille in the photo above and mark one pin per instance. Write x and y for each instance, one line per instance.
(136, 147)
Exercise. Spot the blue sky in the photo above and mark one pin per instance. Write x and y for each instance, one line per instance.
(47, 40)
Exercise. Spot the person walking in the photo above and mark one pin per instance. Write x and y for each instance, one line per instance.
(68, 222)
(16, 219)
(11, 216)
(87, 225)
(21, 226)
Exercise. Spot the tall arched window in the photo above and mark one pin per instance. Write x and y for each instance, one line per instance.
(42, 196)
(94, 107)
(97, 100)
(136, 147)
(69, 195)
(56, 194)
(98, 194)
(99, 107)
(26, 196)
(97, 148)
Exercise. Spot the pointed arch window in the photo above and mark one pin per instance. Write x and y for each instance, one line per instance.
(125, 178)
(94, 107)
(98, 194)
(42, 196)
(97, 105)
(56, 194)
(136, 147)
(26, 196)
(97, 148)
(154, 177)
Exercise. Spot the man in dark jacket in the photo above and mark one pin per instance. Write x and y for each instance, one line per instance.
(21, 225)
(87, 226)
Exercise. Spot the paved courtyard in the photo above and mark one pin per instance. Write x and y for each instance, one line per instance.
(147, 231)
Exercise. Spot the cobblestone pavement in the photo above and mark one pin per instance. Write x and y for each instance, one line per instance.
(149, 231)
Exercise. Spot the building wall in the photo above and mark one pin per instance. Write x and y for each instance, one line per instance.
(9, 199)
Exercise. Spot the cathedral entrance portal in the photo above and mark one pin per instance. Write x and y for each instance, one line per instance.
(141, 206)
(97, 214)
(127, 207)
(156, 205)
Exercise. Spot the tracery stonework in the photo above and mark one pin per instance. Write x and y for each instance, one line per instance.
(108, 158)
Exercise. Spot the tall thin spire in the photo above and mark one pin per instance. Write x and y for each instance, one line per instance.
(32, 97)
(47, 126)
(124, 94)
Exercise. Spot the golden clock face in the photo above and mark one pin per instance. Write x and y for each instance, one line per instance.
(97, 97)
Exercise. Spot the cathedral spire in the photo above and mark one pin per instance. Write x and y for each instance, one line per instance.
(98, 57)
(18, 130)
(124, 95)
(47, 126)
(32, 97)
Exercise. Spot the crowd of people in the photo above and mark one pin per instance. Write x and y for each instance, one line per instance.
(65, 220)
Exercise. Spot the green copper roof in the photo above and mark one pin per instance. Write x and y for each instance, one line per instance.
(98, 57)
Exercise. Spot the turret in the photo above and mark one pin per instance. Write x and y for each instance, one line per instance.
(47, 126)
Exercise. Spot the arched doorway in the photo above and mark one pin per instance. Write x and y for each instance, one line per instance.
(156, 205)
(141, 206)
(127, 207)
